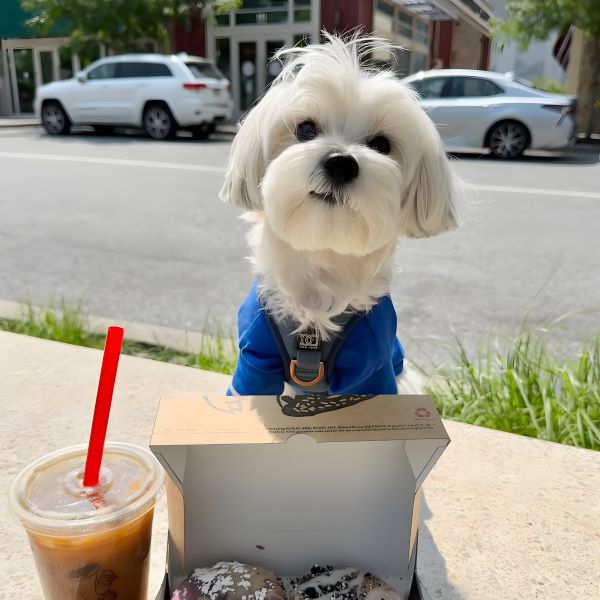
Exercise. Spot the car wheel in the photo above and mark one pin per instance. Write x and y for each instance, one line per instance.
(159, 123)
(55, 119)
(201, 132)
(508, 139)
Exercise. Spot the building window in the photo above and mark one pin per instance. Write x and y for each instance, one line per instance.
(47, 64)
(419, 62)
(385, 8)
(402, 62)
(66, 62)
(224, 56)
(404, 25)
(222, 20)
(260, 12)
(421, 32)
(302, 15)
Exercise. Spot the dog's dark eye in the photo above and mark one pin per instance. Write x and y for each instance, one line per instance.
(380, 144)
(306, 131)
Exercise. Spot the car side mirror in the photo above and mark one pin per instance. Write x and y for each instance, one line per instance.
(82, 77)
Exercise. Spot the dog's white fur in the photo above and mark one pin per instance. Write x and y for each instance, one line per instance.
(314, 259)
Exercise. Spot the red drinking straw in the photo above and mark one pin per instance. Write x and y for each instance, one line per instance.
(106, 385)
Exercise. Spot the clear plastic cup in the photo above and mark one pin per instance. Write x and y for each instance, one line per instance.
(90, 542)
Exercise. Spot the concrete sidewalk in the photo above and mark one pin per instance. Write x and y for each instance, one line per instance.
(504, 517)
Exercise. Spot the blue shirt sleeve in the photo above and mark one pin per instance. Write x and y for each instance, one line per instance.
(259, 369)
(371, 356)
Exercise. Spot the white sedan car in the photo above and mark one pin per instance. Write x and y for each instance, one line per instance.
(479, 109)
(157, 92)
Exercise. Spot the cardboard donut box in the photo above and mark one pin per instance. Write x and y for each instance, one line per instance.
(286, 482)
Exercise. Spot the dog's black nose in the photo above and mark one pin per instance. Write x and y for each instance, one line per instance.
(341, 168)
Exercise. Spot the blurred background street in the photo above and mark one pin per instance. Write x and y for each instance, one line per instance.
(135, 230)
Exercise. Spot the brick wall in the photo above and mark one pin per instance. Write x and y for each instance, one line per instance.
(342, 16)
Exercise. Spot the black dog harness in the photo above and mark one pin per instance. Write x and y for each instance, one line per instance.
(307, 359)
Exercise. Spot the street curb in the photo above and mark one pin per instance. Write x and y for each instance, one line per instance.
(410, 382)
(19, 123)
(175, 339)
(227, 129)
(13, 124)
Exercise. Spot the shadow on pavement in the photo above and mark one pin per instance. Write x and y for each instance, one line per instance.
(432, 563)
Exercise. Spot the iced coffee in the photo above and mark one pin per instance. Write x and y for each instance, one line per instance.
(90, 543)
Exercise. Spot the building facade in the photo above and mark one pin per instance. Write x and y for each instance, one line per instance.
(443, 33)
(27, 62)
(428, 33)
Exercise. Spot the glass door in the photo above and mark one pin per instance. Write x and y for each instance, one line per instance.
(47, 66)
(248, 77)
(255, 69)
(25, 80)
(272, 67)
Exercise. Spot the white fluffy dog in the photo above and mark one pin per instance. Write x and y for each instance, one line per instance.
(332, 165)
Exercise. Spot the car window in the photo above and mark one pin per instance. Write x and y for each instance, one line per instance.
(131, 69)
(430, 87)
(157, 70)
(105, 71)
(201, 69)
(474, 87)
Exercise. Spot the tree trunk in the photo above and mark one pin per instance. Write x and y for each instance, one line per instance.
(594, 88)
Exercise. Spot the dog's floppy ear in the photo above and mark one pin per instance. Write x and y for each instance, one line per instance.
(249, 152)
(430, 198)
(246, 165)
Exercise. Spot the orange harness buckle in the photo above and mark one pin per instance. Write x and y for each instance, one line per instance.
(301, 383)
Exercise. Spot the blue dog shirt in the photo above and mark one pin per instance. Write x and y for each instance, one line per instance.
(367, 362)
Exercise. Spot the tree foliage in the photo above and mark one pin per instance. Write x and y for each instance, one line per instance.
(529, 20)
(119, 24)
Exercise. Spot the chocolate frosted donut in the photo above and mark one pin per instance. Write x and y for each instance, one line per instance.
(230, 581)
(344, 583)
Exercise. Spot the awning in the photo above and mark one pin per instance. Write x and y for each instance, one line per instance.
(476, 12)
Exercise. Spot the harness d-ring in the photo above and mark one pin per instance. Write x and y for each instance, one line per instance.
(302, 383)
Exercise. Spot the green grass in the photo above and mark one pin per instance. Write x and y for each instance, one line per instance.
(525, 390)
(68, 324)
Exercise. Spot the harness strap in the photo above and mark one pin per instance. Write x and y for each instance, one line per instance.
(307, 360)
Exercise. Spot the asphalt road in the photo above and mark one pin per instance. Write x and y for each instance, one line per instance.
(134, 229)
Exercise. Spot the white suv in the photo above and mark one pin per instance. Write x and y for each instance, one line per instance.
(159, 93)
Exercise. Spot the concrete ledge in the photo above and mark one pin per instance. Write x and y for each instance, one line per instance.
(176, 339)
(504, 517)
(410, 382)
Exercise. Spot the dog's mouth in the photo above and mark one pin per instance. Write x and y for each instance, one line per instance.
(328, 198)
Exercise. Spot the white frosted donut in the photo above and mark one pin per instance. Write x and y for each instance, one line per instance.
(230, 581)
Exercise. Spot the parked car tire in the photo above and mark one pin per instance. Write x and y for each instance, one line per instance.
(55, 119)
(201, 132)
(158, 121)
(508, 139)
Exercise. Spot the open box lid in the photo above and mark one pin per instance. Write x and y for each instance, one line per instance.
(215, 420)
